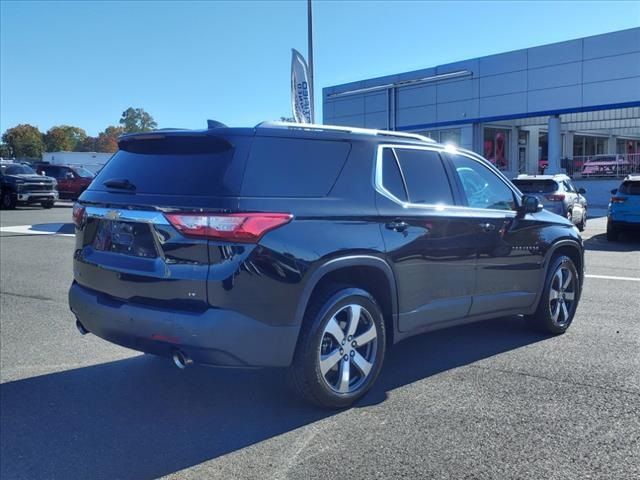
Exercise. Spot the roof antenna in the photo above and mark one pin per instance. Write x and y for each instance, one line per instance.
(215, 124)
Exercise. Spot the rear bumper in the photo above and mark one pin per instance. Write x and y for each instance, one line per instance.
(623, 225)
(213, 337)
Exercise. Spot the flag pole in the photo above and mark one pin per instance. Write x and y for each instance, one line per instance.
(310, 54)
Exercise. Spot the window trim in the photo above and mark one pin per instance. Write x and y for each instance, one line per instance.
(448, 164)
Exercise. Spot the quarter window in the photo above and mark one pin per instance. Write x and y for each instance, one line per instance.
(391, 176)
(482, 187)
(425, 177)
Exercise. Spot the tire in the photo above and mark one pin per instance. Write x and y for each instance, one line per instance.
(583, 221)
(555, 315)
(612, 233)
(48, 204)
(8, 200)
(319, 365)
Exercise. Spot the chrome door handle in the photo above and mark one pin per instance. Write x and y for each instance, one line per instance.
(397, 226)
(487, 227)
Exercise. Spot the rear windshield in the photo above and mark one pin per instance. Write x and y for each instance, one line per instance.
(200, 166)
(630, 188)
(536, 186)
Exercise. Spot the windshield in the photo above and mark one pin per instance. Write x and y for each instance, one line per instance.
(536, 186)
(83, 172)
(19, 170)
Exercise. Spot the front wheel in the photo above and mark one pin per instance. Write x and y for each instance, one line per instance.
(341, 348)
(48, 204)
(583, 221)
(560, 297)
(8, 201)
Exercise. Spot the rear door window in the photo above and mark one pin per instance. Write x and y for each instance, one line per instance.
(425, 177)
(293, 167)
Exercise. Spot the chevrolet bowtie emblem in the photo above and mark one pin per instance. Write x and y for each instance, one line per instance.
(112, 215)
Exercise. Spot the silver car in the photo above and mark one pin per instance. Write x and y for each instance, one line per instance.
(558, 194)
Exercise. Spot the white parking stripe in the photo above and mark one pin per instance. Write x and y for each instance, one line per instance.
(607, 277)
(40, 229)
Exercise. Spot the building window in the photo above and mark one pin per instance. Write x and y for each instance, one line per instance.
(496, 147)
(451, 135)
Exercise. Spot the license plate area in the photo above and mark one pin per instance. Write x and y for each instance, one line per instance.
(126, 238)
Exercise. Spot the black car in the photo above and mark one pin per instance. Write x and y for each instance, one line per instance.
(21, 185)
(309, 247)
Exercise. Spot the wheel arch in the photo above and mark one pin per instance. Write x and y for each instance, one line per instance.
(370, 273)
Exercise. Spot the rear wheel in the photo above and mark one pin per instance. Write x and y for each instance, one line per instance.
(612, 233)
(341, 348)
(560, 297)
(8, 201)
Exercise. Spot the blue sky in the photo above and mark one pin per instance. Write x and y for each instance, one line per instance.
(83, 63)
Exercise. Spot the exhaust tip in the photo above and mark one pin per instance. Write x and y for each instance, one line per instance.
(81, 329)
(181, 360)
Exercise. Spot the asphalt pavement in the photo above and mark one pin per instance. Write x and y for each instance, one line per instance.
(488, 400)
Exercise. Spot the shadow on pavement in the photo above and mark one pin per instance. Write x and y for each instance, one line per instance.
(142, 418)
(627, 242)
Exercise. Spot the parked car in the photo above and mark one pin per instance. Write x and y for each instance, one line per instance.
(624, 208)
(607, 166)
(21, 185)
(72, 179)
(309, 247)
(558, 194)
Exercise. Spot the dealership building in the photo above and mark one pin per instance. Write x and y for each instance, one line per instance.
(553, 106)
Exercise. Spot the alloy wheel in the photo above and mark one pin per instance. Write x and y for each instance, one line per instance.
(562, 293)
(348, 349)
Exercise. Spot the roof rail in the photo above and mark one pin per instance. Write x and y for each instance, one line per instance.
(345, 129)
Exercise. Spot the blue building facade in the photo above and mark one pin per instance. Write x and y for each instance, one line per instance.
(524, 110)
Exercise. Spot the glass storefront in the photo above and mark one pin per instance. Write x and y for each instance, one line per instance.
(496, 146)
(587, 145)
(451, 135)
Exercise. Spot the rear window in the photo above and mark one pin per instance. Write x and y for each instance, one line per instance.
(536, 186)
(630, 188)
(291, 167)
(196, 165)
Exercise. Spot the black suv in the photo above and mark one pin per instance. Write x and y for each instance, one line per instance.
(309, 247)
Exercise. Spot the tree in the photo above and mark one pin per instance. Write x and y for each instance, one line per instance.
(137, 120)
(24, 141)
(64, 138)
(107, 140)
(5, 151)
(87, 145)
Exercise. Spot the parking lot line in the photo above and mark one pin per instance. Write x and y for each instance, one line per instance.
(607, 277)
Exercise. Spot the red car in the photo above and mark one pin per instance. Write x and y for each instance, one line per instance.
(72, 179)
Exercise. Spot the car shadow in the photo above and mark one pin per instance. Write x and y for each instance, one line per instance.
(627, 242)
(143, 418)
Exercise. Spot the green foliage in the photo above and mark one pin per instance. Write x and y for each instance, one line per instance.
(64, 138)
(24, 141)
(135, 120)
(5, 151)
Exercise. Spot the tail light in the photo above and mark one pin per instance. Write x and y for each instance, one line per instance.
(78, 215)
(235, 227)
(618, 199)
(555, 198)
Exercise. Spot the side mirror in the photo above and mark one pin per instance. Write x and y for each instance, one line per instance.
(614, 191)
(529, 204)
(582, 191)
(68, 176)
